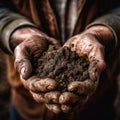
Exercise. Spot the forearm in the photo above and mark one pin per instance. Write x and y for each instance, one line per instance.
(9, 22)
(103, 34)
(112, 22)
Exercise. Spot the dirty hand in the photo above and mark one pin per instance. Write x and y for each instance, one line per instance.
(90, 43)
(27, 43)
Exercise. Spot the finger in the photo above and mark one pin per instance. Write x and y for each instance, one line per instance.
(69, 107)
(54, 108)
(97, 55)
(36, 84)
(52, 97)
(22, 63)
(35, 45)
(101, 65)
(68, 98)
(66, 108)
(38, 97)
(86, 87)
(93, 72)
(97, 64)
(54, 42)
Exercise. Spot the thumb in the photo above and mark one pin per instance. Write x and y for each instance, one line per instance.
(22, 63)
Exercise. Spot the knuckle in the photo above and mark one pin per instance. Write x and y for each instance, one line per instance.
(38, 98)
(66, 108)
(52, 97)
(54, 108)
(68, 98)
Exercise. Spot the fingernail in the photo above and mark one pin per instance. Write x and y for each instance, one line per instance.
(61, 99)
(23, 71)
(50, 87)
(56, 109)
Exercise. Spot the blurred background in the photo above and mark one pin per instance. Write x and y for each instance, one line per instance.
(4, 89)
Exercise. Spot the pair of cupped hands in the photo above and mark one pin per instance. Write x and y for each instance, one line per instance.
(27, 42)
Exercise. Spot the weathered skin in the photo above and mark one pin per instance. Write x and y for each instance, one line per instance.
(86, 43)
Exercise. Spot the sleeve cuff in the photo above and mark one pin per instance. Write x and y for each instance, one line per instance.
(113, 24)
(9, 29)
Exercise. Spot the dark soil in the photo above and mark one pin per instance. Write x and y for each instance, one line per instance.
(62, 65)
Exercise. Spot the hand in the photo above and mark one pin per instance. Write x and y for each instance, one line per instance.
(90, 43)
(29, 43)
(48, 97)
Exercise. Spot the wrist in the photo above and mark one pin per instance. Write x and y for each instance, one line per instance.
(21, 34)
(103, 34)
(8, 29)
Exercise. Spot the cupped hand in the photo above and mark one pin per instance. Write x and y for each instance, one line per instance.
(28, 44)
(78, 92)
(85, 44)
(30, 49)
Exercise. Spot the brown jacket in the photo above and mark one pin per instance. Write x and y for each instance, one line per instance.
(42, 14)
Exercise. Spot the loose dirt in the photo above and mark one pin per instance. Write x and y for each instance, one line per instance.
(62, 65)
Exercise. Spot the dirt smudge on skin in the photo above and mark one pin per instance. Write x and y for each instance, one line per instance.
(62, 65)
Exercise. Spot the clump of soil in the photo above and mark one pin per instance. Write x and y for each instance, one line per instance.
(62, 65)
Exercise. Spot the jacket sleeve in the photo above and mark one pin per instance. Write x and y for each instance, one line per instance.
(112, 21)
(109, 77)
(10, 21)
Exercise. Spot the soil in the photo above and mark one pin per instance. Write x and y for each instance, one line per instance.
(62, 65)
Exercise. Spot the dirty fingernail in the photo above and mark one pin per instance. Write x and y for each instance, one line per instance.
(23, 71)
(50, 87)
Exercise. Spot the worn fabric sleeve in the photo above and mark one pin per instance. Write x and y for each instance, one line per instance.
(112, 21)
(9, 22)
(109, 77)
